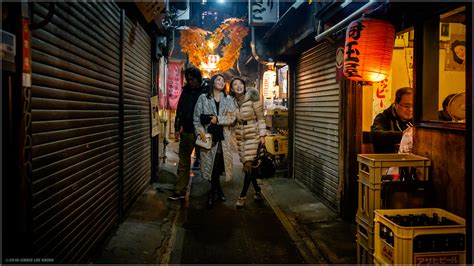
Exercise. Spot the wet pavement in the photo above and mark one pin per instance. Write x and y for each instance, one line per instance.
(290, 225)
(225, 234)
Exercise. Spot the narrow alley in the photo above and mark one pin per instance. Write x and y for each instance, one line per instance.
(353, 120)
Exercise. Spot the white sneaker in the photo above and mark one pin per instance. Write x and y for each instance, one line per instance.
(240, 202)
(258, 195)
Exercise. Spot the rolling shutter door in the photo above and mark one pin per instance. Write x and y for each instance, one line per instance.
(137, 91)
(317, 123)
(75, 128)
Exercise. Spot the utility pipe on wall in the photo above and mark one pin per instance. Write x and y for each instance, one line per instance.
(260, 59)
(346, 21)
(254, 51)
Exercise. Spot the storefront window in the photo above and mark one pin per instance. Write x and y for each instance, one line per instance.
(444, 68)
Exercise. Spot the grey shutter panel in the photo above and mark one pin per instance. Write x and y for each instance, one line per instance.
(75, 128)
(317, 123)
(137, 91)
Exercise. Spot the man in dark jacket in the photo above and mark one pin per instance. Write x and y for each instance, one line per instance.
(184, 128)
(387, 130)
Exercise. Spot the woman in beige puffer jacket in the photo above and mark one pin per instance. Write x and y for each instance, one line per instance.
(250, 132)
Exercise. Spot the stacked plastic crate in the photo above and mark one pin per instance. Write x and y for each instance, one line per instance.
(372, 168)
(276, 141)
(419, 236)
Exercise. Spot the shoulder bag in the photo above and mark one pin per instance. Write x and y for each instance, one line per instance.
(206, 143)
(262, 165)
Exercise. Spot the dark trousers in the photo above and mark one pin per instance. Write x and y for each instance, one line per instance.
(197, 152)
(217, 170)
(186, 146)
(249, 177)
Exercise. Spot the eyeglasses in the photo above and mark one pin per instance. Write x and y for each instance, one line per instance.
(406, 106)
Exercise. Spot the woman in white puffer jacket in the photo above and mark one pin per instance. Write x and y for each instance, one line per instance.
(250, 132)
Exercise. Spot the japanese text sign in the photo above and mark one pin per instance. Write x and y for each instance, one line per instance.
(263, 12)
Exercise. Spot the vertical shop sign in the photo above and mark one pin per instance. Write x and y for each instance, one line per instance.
(262, 12)
(381, 96)
(155, 129)
(161, 81)
(174, 83)
(269, 90)
(351, 61)
(26, 77)
(283, 81)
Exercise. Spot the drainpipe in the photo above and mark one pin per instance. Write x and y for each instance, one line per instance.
(263, 61)
(347, 20)
(283, 19)
(267, 61)
(260, 59)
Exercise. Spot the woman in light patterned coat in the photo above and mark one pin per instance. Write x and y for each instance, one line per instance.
(214, 113)
(249, 131)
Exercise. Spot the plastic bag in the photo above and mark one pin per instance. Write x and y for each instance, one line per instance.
(406, 144)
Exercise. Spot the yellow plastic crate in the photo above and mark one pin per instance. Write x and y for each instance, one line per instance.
(365, 255)
(277, 118)
(276, 144)
(280, 112)
(373, 166)
(368, 201)
(376, 262)
(404, 238)
(365, 233)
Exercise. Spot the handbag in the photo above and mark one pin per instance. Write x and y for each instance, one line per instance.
(262, 165)
(206, 143)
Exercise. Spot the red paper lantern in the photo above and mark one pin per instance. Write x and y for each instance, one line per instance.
(368, 49)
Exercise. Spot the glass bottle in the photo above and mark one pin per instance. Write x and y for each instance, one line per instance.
(383, 232)
(404, 175)
(390, 239)
(424, 219)
(413, 174)
(435, 219)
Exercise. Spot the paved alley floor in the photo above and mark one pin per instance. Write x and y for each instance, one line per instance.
(224, 234)
(289, 226)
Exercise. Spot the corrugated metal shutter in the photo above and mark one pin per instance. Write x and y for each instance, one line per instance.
(137, 91)
(317, 123)
(75, 128)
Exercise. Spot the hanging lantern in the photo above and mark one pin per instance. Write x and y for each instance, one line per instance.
(368, 50)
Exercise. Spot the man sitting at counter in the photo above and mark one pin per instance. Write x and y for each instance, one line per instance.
(387, 129)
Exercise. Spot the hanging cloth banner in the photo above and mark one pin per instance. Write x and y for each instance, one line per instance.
(174, 85)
